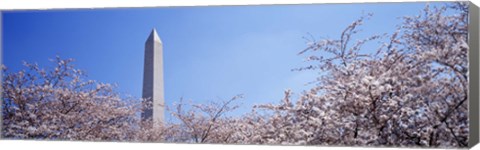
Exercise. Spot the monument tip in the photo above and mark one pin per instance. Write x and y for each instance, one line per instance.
(154, 36)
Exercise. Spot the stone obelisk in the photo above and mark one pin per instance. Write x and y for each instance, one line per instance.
(153, 91)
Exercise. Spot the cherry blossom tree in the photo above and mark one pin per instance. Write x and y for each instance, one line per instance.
(205, 123)
(58, 104)
(412, 91)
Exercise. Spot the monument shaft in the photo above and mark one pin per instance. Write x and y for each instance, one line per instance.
(153, 91)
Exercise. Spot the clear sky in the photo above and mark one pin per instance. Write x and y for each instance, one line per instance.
(210, 53)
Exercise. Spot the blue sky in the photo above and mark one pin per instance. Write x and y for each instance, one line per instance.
(210, 53)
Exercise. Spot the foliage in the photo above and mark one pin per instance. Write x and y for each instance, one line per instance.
(58, 104)
(411, 92)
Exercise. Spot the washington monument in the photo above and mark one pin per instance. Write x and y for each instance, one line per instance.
(153, 79)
